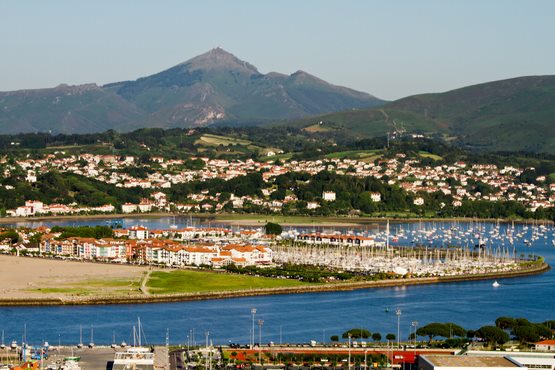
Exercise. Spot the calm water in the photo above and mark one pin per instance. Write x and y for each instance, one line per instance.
(299, 318)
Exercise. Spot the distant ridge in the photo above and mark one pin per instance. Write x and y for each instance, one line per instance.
(507, 115)
(213, 87)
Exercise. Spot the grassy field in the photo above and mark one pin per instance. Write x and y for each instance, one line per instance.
(319, 128)
(430, 155)
(363, 155)
(217, 140)
(185, 281)
(91, 287)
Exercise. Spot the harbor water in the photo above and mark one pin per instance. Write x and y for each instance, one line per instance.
(299, 318)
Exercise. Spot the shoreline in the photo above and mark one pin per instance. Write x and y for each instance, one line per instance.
(261, 219)
(183, 297)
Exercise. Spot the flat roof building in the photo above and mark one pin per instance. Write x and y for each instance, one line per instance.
(532, 360)
(442, 362)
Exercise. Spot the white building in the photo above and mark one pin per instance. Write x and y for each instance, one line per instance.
(418, 201)
(328, 196)
(546, 345)
(128, 208)
(138, 232)
(450, 362)
(532, 360)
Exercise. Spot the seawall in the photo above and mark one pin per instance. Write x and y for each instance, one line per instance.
(159, 298)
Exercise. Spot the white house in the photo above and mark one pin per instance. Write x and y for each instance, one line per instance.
(546, 345)
(138, 232)
(328, 196)
(128, 208)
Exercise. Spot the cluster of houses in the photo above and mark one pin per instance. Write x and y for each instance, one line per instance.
(38, 208)
(457, 180)
(215, 247)
(158, 251)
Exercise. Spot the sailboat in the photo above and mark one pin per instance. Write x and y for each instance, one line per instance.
(136, 357)
(495, 284)
(114, 345)
(91, 343)
(173, 225)
(80, 344)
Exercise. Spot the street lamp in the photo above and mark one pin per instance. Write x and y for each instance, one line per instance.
(414, 324)
(365, 364)
(398, 314)
(253, 312)
(260, 323)
(349, 362)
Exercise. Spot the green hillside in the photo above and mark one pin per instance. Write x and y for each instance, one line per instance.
(508, 115)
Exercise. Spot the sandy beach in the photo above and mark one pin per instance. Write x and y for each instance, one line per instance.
(22, 277)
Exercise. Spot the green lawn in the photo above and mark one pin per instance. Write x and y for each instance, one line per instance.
(184, 281)
(425, 154)
(354, 154)
(216, 140)
(90, 287)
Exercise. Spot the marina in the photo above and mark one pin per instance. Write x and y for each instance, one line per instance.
(302, 317)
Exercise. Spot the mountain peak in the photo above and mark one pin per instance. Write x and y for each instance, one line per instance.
(218, 59)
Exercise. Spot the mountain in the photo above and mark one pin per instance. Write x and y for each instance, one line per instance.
(67, 109)
(212, 87)
(513, 114)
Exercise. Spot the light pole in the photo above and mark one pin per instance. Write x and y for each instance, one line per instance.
(414, 324)
(349, 362)
(365, 364)
(398, 314)
(253, 312)
(260, 323)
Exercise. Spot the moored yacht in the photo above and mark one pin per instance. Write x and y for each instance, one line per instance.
(136, 357)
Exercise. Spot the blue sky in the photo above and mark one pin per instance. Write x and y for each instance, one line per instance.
(388, 48)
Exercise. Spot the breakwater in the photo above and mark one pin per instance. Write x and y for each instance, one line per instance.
(159, 298)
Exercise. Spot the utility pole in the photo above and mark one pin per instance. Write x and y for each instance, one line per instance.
(349, 361)
(253, 312)
(398, 313)
(260, 323)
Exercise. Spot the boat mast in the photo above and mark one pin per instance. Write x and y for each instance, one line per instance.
(139, 327)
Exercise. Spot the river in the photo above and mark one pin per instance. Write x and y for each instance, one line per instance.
(302, 317)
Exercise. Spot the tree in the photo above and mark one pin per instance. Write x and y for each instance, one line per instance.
(543, 330)
(334, 338)
(526, 334)
(36, 239)
(357, 333)
(376, 337)
(273, 228)
(493, 334)
(390, 336)
(12, 235)
(434, 329)
(505, 322)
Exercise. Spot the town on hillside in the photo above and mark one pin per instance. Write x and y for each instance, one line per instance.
(317, 187)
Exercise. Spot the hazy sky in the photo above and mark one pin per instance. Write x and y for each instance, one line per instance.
(388, 48)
